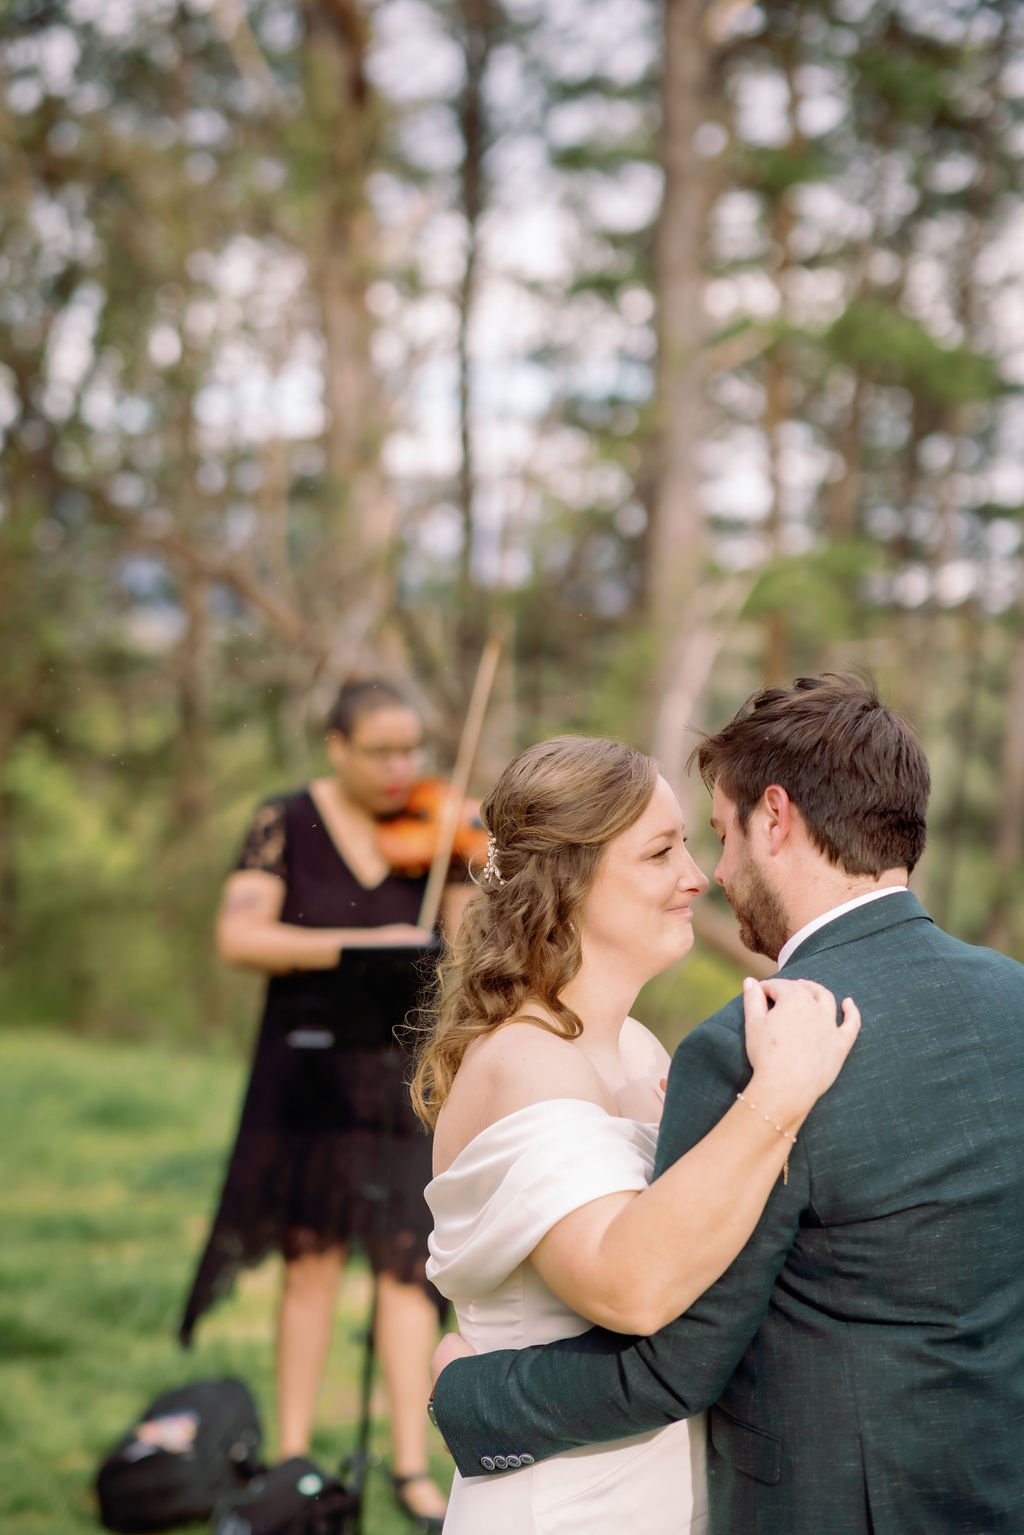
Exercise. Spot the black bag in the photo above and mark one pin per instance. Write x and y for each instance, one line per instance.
(296, 1497)
(189, 1448)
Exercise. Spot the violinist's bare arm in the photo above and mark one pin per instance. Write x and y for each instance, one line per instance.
(250, 932)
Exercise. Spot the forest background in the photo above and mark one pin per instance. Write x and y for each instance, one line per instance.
(681, 345)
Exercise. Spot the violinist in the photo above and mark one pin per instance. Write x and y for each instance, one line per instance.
(326, 1118)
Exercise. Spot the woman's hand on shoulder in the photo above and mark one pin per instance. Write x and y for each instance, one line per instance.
(797, 1046)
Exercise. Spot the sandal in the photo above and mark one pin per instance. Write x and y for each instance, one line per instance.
(426, 1524)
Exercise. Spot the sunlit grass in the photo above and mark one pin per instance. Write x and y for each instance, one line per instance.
(112, 1156)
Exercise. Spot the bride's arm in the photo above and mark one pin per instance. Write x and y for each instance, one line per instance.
(632, 1262)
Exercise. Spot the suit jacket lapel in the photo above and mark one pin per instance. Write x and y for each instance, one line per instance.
(874, 917)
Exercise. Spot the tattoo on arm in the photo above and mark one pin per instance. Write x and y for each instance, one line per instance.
(242, 900)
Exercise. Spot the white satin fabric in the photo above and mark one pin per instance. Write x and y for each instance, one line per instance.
(503, 1192)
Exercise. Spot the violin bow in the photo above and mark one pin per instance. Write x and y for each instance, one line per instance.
(464, 759)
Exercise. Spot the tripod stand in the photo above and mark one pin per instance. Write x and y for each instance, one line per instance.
(381, 985)
(356, 1466)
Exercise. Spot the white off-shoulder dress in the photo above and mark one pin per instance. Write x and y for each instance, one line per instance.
(503, 1192)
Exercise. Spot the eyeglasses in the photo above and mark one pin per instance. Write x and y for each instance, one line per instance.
(386, 753)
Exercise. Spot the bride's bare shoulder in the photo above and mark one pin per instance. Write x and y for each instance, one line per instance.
(522, 1063)
(510, 1068)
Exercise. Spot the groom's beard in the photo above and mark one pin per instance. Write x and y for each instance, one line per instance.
(764, 926)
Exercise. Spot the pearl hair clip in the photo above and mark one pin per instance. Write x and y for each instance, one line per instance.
(491, 869)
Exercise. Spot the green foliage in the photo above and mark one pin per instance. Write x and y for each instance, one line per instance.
(111, 1160)
(601, 157)
(819, 593)
(147, 700)
(620, 707)
(914, 79)
(890, 347)
(774, 171)
(114, 915)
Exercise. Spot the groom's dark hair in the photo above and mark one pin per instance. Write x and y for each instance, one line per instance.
(854, 769)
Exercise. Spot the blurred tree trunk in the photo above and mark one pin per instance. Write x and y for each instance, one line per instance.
(478, 26)
(843, 496)
(952, 826)
(32, 594)
(8, 876)
(674, 540)
(775, 651)
(190, 797)
(1004, 929)
(958, 425)
(15, 651)
(780, 376)
(343, 255)
(689, 622)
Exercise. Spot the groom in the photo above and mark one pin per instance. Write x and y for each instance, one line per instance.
(863, 1358)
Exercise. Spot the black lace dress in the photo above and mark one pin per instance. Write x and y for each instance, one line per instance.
(328, 1150)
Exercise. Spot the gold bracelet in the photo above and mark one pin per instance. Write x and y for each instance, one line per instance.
(778, 1128)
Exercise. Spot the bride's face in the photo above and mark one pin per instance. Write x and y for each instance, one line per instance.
(640, 904)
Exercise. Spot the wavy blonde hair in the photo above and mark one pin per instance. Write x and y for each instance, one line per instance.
(551, 814)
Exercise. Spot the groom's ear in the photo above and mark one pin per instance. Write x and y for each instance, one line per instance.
(779, 816)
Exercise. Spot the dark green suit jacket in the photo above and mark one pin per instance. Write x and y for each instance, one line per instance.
(863, 1358)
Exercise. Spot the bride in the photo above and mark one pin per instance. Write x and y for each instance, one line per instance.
(544, 1095)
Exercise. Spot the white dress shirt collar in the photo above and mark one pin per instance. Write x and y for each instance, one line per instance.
(792, 944)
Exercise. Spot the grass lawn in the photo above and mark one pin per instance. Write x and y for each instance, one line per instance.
(112, 1157)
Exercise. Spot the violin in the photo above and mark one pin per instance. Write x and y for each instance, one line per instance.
(409, 840)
